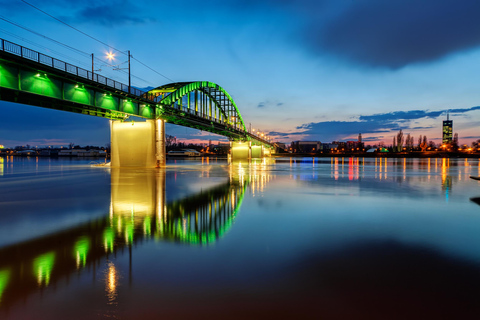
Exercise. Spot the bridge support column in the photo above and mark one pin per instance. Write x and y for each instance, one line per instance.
(267, 152)
(257, 151)
(160, 153)
(137, 144)
(240, 150)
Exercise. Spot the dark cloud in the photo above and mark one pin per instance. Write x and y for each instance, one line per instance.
(371, 124)
(283, 134)
(401, 116)
(111, 14)
(107, 13)
(456, 111)
(396, 33)
(405, 116)
(379, 33)
(340, 130)
(373, 139)
(268, 103)
(422, 128)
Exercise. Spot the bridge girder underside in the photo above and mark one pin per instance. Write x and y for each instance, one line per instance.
(36, 100)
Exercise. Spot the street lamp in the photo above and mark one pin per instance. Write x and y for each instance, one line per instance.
(111, 57)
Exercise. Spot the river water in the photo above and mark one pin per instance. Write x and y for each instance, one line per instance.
(339, 238)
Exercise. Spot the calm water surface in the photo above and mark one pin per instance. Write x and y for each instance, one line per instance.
(336, 238)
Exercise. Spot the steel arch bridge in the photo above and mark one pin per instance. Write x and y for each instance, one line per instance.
(209, 100)
(30, 77)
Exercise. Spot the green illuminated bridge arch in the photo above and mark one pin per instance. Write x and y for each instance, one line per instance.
(203, 98)
(30, 77)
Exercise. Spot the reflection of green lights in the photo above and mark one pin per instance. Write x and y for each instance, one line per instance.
(43, 266)
(147, 226)
(129, 233)
(108, 239)
(177, 229)
(81, 250)
(4, 277)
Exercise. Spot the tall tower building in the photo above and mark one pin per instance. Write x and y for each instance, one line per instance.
(447, 130)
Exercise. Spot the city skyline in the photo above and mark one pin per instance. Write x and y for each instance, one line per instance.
(311, 71)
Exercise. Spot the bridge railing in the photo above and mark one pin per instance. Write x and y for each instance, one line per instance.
(41, 58)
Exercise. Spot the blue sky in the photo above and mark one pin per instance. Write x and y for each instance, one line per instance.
(302, 70)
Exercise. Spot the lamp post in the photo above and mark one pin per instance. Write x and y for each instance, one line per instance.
(110, 57)
(129, 74)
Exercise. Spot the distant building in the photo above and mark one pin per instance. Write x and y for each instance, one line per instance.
(26, 152)
(355, 145)
(327, 147)
(82, 153)
(447, 131)
(340, 145)
(306, 146)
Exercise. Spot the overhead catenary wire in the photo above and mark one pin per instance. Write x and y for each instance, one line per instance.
(78, 51)
(143, 64)
(93, 38)
(41, 46)
(44, 36)
(70, 26)
(83, 53)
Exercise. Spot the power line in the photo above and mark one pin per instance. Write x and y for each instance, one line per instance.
(86, 54)
(152, 69)
(91, 37)
(41, 46)
(43, 36)
(85, 34)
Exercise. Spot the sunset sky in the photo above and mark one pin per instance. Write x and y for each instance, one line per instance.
(302, 70)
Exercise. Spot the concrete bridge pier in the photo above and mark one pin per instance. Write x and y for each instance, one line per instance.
(138, 144)
(240, 150)
(160, 151)
(257, 151)
(244, 150)
(267, 152)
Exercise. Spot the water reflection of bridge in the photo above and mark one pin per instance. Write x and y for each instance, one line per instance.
(138, 212)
